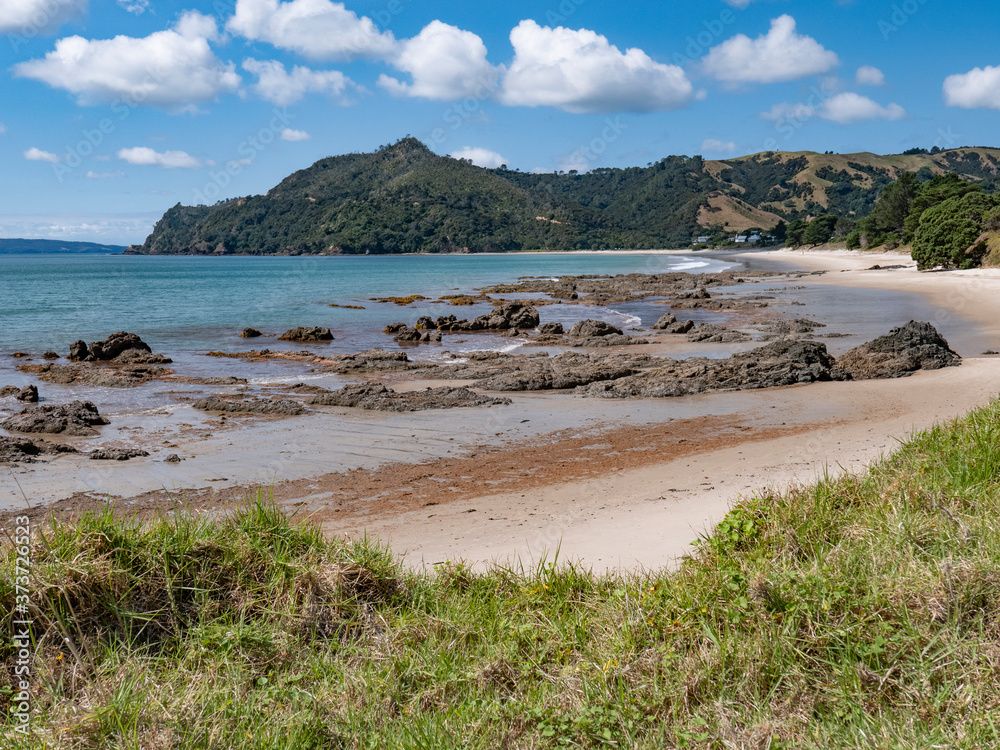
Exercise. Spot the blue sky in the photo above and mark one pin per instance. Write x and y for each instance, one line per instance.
(111, 111)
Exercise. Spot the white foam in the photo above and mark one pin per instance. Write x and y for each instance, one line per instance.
(627, 320)
(283, 380)
(689, 264)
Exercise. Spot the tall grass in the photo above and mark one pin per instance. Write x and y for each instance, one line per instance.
(862, 611)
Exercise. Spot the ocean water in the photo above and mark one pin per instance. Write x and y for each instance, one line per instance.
(186, 306)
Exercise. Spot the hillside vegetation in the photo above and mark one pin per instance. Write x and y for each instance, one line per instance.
(404, 198)
(860, 612)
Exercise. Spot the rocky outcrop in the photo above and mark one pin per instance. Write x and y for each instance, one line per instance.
(669, 324)
(123, 347)
(268, 406)
(915, 346)
(28, 394)
(250, 333)
(307, 334)
(506, 316)
(551, 329)
(591, 328)
(116, 454)
(110, 375)
(74, 418)
(779, 363)
(372, 360)
(709, 333)
(415, 336)
(378, 397)
(790, 327)
(25, 450)
(567, 370)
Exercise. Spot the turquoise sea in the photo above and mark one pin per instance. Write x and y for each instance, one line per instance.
(185, 306)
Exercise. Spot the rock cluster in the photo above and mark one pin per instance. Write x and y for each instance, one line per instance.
(116, 454)
(668, 323)
(506, 316)
(123, 347)
(915, 346)
(307, 334)
(269, 406)
(24, 450)
(74, 418)
(378, 397)
(28, 394)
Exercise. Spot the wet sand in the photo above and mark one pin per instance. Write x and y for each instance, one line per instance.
(607, 483)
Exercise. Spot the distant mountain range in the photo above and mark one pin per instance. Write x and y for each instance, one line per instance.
(404, 198)
(56, 246)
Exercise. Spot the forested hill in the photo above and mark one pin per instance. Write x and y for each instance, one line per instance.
(10, 246)
(404, 198)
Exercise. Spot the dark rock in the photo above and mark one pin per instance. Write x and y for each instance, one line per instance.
(915, 346)
(787, 327)
(551, 329)
(378, 397)
(511, 333)
(784, 362)
(696, 294)
(50, 355)
(426, 323)
(173, 458)
(116, 344)
(373, 360)
(307, 334)
(426, 336)
(987, 353)
(591, 328)
(24, 450)
(78, 351)
(250, 333)
(614, 339)
(116, 454)
(669, 324)
(394, 328)
(710, 333)
(103, 375)
(407, 334)
(278, 407)
(139, 357)
(74, 418)
(9, 390)
(28, 394)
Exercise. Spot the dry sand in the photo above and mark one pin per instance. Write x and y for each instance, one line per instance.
(610, 484)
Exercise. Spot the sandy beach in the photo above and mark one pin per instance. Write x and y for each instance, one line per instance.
(606, 483)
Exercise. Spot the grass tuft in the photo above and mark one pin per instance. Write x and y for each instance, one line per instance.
(861, 611)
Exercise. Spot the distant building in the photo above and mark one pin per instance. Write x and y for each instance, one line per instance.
(755, 237)
(703, 240)
(740, 238)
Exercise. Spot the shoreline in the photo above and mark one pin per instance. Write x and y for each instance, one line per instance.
(604, 512)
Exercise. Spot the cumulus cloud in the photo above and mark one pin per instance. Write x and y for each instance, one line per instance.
(318, 29)
(104, 175)
(276, 84)
(36, 154)
(849, 108)
(147, 157)
(845, 108)
(715, 146)
(173, 69)
(288, 134)
(481, 157)
(134, 6)
(445, 62)
(30, 17)
(977, 89)
(869, 75)
(786, 111)
(581, 72)
(780, 55)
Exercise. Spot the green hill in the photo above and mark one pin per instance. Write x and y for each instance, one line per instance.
(11, 246)
(404, 198)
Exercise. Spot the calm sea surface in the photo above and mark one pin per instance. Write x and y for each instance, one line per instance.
(197, 303)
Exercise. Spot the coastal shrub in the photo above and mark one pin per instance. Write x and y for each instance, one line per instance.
(859, 611)
(948, 231)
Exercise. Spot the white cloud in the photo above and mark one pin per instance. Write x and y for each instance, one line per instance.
(120, 229)
(977, 89)
(277, 85)
(288, 134)
(738, 3)
(3, 128)
(31, 17)
(318, 29)
(445, 63)
(715, 146)
(869, 75)
(134, 6)
(786, 111)
(849, 108)
(780, 55)
(104, 175)
(172, 69)
(481, 157)
(147, 157)
(581, 72)
(36, 154)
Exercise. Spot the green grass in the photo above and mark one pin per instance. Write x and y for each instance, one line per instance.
(861, 612)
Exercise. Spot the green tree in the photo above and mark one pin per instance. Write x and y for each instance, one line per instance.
(820, 230)
(949, 230)
(795, 231)
(938, 190)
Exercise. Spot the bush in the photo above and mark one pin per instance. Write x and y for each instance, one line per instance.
(949, 230)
